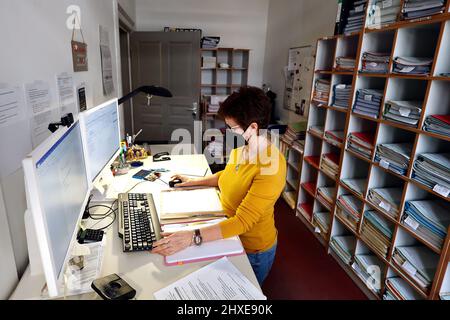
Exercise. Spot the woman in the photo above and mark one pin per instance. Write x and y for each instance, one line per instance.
(250, 185)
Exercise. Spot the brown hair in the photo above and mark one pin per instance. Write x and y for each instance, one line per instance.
(248, 105)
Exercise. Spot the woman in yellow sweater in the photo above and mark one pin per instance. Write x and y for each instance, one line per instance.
(250, 185)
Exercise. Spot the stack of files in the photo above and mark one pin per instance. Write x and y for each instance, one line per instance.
(445, 296)
(414, 9)
(438, 124)
(413, 65)
(318, 130)
(299, 145)
(349, 208)
(322, 91)
(429, 219)
(343, 246)
(341, 95)
(362, 143)
(345, 63)
(323, 221)
(418, 262)
(357, 185)
(382, 13)
(335, 137)
(433, 170)
(325, 196)
(306, 209)
(405, 112)
(355, 20)
(209, 62)
(373, 62)
(330, 164)
(368, 102)
(377, 233)
(213, 108)
(387, 199)
(295, 131)
(394, 156)
(363, 266)
(399, 289)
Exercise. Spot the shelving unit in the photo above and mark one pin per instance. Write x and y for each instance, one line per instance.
(427, 37)
(294, 159)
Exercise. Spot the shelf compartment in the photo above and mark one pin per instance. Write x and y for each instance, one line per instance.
(341, 88)
(443, 62)
(346, 47)
(417, 41)
(326, 191)
(325, 54)
(422, 279)
(397, 288)
(322, 222)
(362, 136)
(306, 206)
(310, 187)
(377, 232)
(438, 103)
(349, 209)
(330, 160)
(354, 168)
(317, 116)
(394, 149)
(342, 242)
(444, 292)
(380, 43)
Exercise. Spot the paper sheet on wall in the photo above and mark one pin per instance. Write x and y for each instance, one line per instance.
(220, 280)
(11, 97)
(41, 113)
(107, 69)
(67, 101)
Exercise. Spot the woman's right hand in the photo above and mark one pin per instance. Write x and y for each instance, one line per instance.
(185, 181)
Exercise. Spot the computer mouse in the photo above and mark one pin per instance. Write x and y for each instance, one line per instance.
(174, 183)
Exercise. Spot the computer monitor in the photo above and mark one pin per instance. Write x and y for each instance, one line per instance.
(57, 189)
(100, 132)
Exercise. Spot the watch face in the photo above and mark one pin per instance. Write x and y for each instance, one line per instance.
(198, 240)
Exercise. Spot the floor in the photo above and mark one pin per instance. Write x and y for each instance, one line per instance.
(302, 269)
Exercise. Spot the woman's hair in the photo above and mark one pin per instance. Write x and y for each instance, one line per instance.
(248, 105)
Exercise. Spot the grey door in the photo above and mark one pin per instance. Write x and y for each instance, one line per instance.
(170, 60)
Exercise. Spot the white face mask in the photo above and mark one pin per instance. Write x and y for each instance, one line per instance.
(236, 130)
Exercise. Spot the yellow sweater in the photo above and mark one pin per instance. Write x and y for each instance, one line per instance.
(249, 192)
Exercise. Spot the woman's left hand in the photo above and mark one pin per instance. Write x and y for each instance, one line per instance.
(173, 243)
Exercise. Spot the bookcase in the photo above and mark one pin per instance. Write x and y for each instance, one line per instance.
(335, 174)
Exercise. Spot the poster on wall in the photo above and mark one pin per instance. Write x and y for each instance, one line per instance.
(67, 102)
(79, 56)
(107, 68)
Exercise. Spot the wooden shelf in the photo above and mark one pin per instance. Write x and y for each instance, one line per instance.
(424, 37)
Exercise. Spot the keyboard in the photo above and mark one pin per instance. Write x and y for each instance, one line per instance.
(139, 225)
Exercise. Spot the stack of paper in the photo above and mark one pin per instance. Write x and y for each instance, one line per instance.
(299, 145)
(343, 246)
(413, 9)
(413, 65)
(295, 131)
(345, 63)
(368, 102)
(439, 124)
(323, 221)
(387, 199)
(382, 13)
(364, 267)
(325, 195)
(355, 20)
(318, 130)
(399, 289)
(357, 185)
(394, 157)
(405, 112)
(322, 91)
(433, 170)
(341, 96)
(418, 262)
(429, 219)
(335, 137)
(373, 62)
(349, 208)
(444, 296)
(330, 164)
(362, 143)
(377, 232)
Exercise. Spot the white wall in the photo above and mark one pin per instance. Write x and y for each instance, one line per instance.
(38, 47)
(130, 7)
(293, 23)
(240, 23)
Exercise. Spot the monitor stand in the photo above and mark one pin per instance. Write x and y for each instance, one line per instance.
(102, 189)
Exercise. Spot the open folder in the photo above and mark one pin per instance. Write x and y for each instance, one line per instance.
(208, 250)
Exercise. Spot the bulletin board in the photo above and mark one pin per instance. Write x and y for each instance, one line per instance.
(298, 75)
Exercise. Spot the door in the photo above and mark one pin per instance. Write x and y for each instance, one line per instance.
(170, 60)
(126, 79)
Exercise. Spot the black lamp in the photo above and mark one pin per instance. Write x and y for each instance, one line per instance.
(150, 91)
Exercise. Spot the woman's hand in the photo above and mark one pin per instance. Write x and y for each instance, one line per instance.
(185, 181)
(173, 243)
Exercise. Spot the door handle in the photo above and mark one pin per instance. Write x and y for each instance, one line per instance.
(194, 107)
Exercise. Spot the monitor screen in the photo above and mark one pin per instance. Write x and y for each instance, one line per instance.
(102, 135)
(63, 187)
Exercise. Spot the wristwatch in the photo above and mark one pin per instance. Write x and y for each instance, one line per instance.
(198, 240)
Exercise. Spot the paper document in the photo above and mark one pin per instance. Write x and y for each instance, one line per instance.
(67, 101)
(220, 280)
(12, 108)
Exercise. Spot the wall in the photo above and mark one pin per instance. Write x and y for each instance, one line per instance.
(240, 23)
(38, 49)
(293, 23)
(130, 7)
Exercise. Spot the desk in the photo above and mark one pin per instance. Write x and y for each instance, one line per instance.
(143, 271)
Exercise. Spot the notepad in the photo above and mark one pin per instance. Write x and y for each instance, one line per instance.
(179, 204)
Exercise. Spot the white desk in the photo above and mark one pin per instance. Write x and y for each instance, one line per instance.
(143, 271)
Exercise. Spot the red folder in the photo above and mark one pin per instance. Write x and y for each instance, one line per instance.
(367, 137)
(442, 118)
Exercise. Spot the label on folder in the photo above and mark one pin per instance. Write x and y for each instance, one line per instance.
(384, 164)
(387, 4)
(409, 268)
(443, 191)
(385, 206)
(412, 223)
(368, 97)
